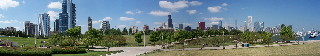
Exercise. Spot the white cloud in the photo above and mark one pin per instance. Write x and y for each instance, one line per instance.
(139, 11)
(214, 23)
(224, 4)
(23, 2)
(107, 19)
(174, 6)
(53, 15)
(134, 12)
(121, 26)
(5, 4)
(96, 22)
(158, 23)
(126, 19)
(55, 5)
(214, 18)
(9, 21)
(100, 21)
(186, 24)
(1, 16)
(129, 12)
(215, 9)
(192, 11)
(159, 13)
(194, 3)
(138, 22)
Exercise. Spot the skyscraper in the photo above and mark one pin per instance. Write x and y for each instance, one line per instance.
(29, 28)
(89, 23)
(220, 24)
(258, 26)
(56, 25)
(170, 25)
(180, 26)
(202, 25)
(188, 28)
(145, 28)
(105, 25)
(215, 27)
(44, 24)
(236, 24)
(68, 16)
(250, 23)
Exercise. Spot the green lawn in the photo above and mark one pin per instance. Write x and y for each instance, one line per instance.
(310, 49)
(131, 40)
(91, 53)
(29, 42)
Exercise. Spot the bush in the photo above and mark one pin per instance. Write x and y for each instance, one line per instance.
(14, 51)
(68, 50)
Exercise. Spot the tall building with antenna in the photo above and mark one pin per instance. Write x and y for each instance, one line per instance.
(250, 23)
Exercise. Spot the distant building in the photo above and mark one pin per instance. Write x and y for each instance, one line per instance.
(290, 26)
(188, 28)
(220, 25)
(29, 28)
(134, 29)
(268, 29)
(68, 16)
(10, 29)
(250, 23)
(145, 28)
(258, 26)
(105, 26)
(202, 25)
(282, 25)
(214, 27)
(44, 24)
(89, 23)
(170, 25)
(181, 26)
(56, 25)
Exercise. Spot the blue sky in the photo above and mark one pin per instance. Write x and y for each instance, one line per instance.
(125, 13)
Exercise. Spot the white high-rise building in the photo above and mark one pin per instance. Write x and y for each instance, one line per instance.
(44, 24)
(105, 25)
(250, 23)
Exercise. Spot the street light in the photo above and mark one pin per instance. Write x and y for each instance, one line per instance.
(144, 40)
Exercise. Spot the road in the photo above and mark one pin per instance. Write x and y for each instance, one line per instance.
(129, 51)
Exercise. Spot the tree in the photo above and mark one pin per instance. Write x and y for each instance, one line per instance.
(74, 34)
(235, 32)
(138, 37)
(286, 34)
(112, 40)
(155, 36)
(92, 37)
(217, 41)
(266, 37)
(197, 33)
(56, 39)
(130, 31)
(125, 31)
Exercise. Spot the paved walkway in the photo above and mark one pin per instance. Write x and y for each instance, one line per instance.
(133, 51)
(129, 51)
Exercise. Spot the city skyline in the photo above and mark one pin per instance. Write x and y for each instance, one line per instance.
(120, 14)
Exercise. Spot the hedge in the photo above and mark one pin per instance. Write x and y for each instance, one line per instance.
(14, 51)
(67, 50)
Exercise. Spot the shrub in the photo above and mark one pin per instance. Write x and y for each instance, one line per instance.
(67, 50)
(14, 51)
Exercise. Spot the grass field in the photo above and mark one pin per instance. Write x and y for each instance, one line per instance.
(131, 40)
(29, 42)
(310, 49)
(91, 53)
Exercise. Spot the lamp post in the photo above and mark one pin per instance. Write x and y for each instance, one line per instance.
(144, 40)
